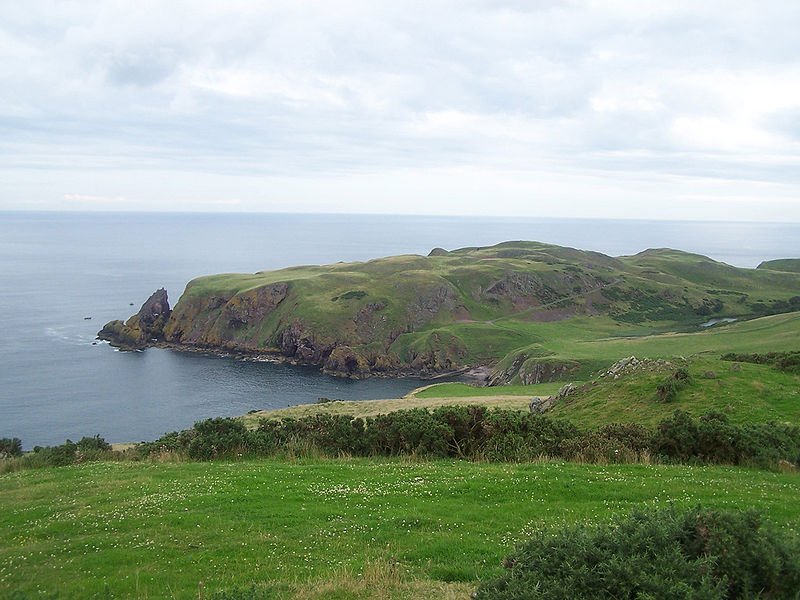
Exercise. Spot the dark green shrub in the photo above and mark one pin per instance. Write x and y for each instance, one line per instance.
(713, 439)
(91, 448)
(697, 554)
(57, 456)
(616, 442)
(667, 390)
(784, 361)
(467, 426)
(407, 432)
(218, 437)
(514, 435)
(10, 447)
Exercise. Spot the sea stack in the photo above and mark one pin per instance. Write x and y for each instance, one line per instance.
(144, 327)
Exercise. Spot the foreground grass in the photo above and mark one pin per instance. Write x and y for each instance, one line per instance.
(323, 528)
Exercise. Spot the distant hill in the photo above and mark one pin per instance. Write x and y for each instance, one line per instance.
(528, 309)
(788, 265)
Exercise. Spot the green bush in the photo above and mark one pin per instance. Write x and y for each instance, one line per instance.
(10, 447)
(696, 554)
(616, 442)
(784, 361)
(219, 437)
(713, 439)
(667, 390)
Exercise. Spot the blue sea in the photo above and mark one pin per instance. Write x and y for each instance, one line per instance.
(63, 275)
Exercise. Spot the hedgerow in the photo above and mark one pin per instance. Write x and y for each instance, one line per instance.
(475, 432)
(465, 432)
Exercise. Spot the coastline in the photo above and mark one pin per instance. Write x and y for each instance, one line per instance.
(471, 373)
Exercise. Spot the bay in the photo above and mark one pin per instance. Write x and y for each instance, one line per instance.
(59, 269)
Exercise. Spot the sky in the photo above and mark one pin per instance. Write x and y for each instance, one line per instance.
(619, 109)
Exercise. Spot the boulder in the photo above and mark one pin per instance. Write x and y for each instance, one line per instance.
(566, 390)
(538, 405)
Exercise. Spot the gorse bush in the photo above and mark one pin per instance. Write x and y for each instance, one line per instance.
(667, 390)
(475, 432)
(783, 361)
(696, 554)
(466, 432)
(617, 442)
(713, 439)
(10, 447)
(86, 449)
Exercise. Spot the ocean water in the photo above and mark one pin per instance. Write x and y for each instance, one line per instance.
(59, 269)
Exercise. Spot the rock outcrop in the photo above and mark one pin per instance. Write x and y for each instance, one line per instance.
(143, 328)
(632, 364)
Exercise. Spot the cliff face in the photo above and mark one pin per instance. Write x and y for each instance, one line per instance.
(449, 309)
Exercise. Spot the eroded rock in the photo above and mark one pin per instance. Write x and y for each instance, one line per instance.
(143, 328)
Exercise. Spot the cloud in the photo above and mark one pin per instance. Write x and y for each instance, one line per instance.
(635, 92)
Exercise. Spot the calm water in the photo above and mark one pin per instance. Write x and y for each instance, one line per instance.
(56, 269)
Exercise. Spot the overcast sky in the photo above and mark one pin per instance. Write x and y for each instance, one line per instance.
(687, 110)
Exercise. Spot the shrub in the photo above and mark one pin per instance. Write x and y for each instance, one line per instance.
(713, 439)
(218, 437)
(784, 361)
(698, 553)
(413, 431)
(522, 436)
(616, 442)
(57, 456)
(10, 447)
(667, 390)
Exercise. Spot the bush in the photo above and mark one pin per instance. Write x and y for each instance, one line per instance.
(91, 448)
(783, 361)
(10, 447)
(57, 456)
(616, 442)
(414, 431)
(218, 437)
(667, 390)
(713, 439)
(699, 554)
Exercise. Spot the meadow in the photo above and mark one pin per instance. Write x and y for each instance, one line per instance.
(323, 528)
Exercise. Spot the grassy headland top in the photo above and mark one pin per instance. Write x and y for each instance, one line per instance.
(533, 312)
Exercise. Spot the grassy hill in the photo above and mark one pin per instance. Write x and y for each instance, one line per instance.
(538, 312)
(788, 265)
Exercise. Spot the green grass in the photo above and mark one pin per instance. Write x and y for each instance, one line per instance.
(316, 528)
(789, 265)
(463, 390)
(369, 408)
(756, 394)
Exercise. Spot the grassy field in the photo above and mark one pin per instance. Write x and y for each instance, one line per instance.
(322, 528)
(463, 390)
(370, 408)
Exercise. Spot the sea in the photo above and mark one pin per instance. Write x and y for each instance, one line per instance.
(63, 275)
